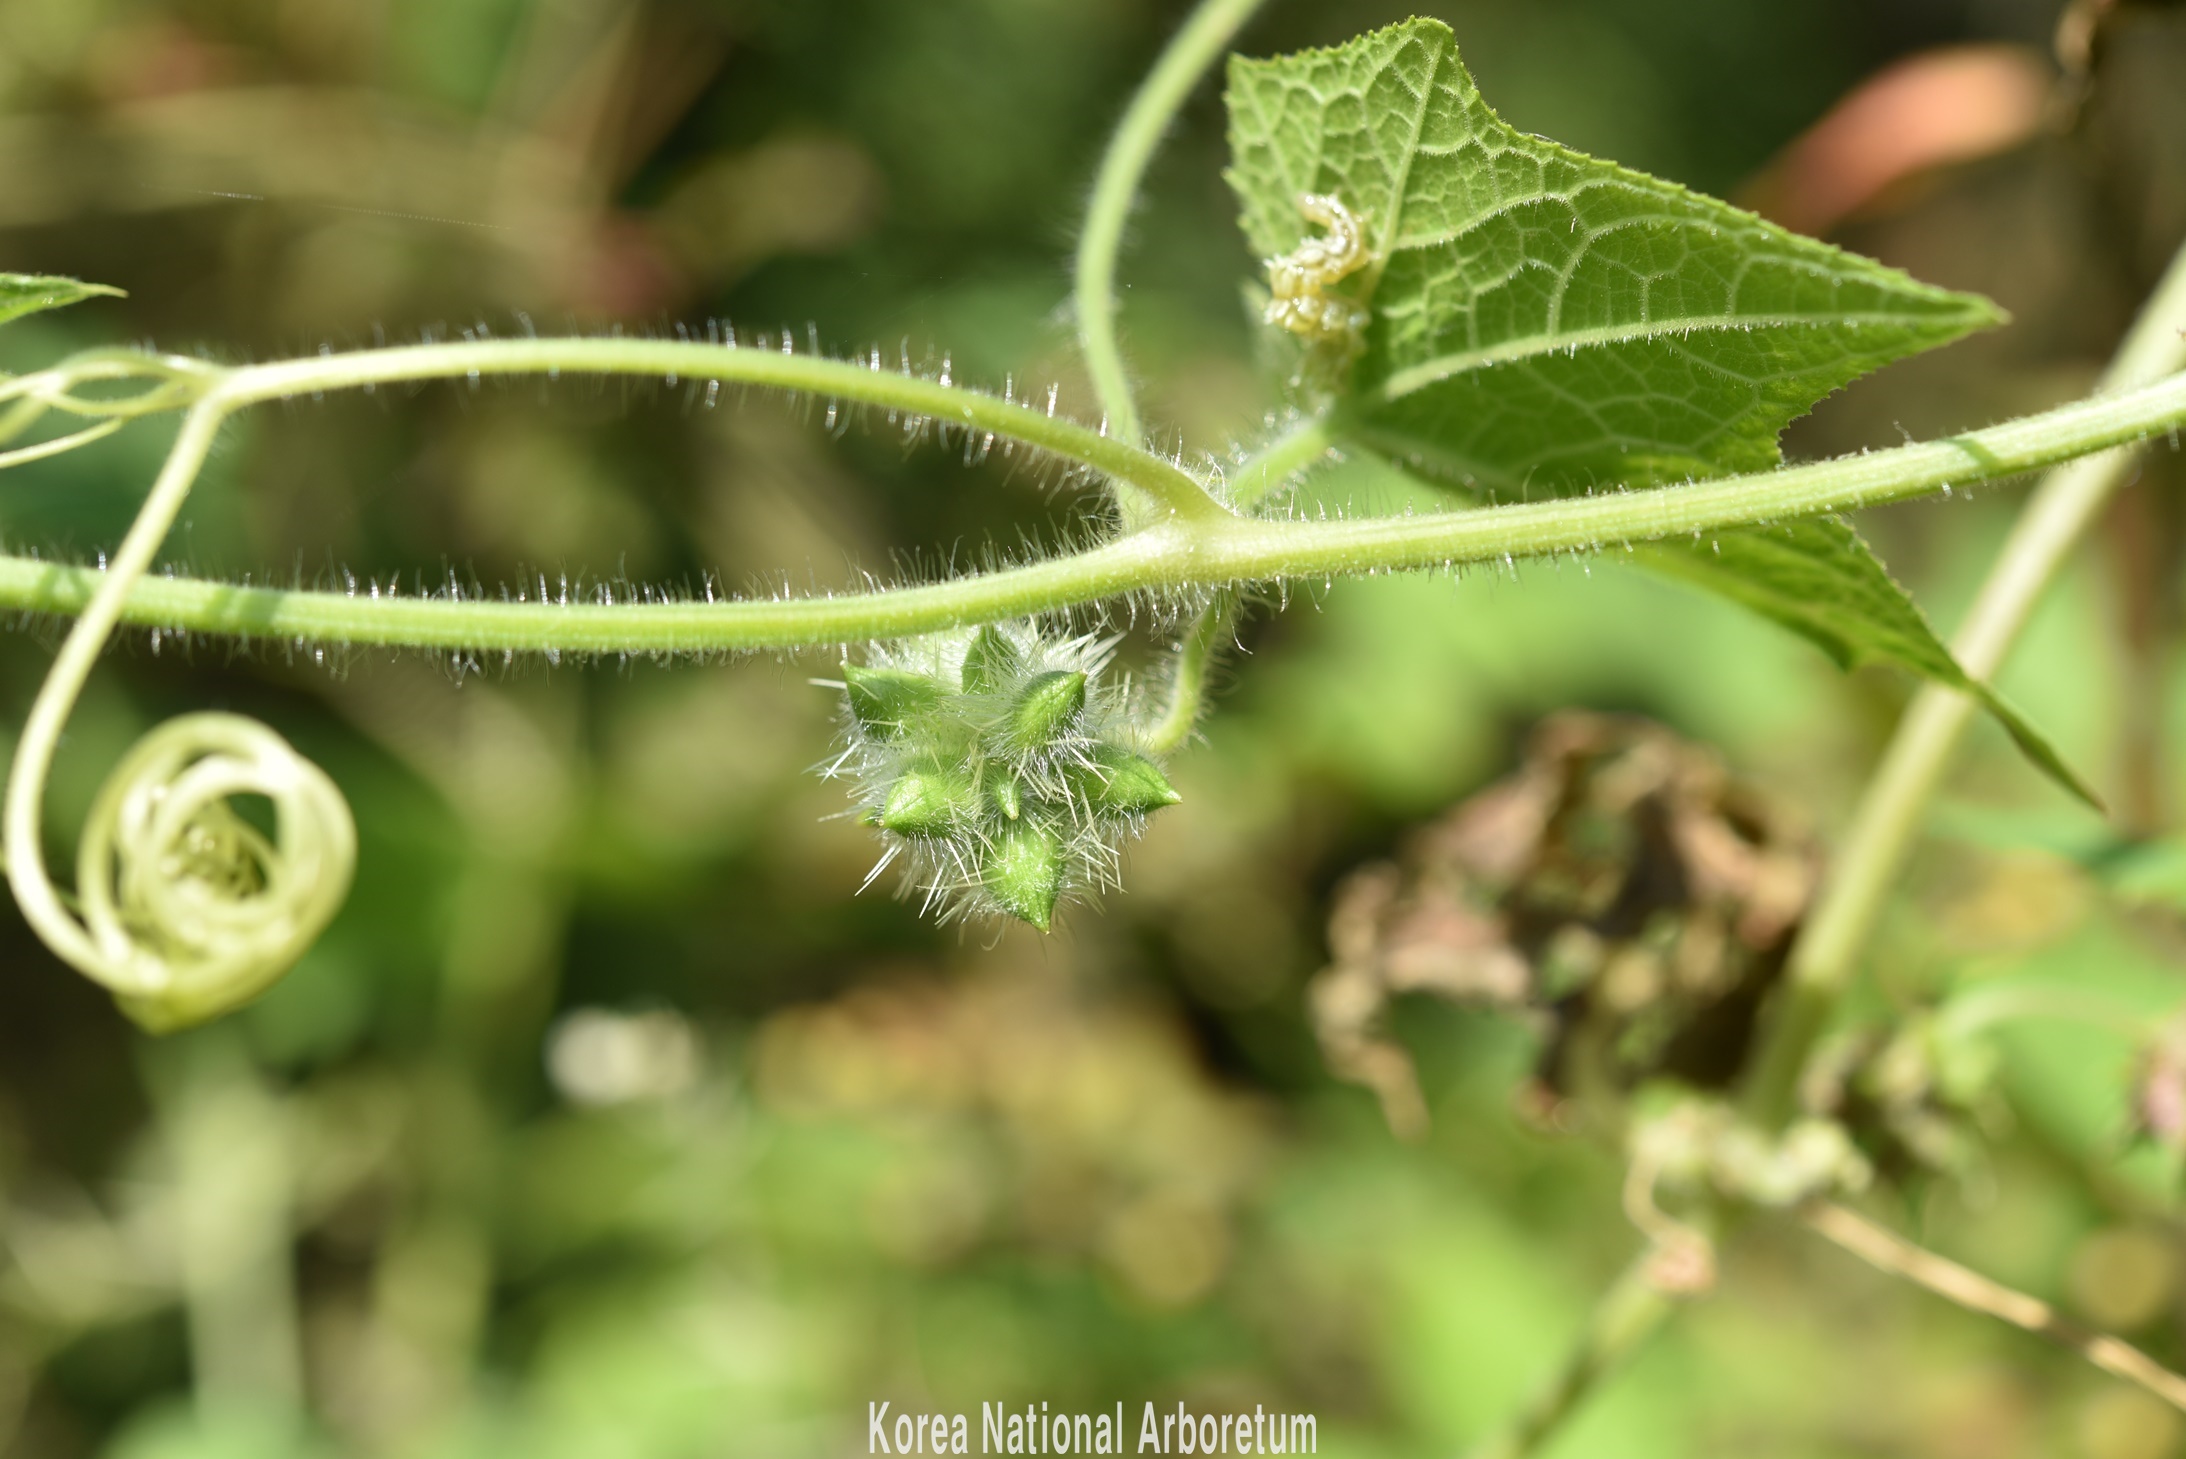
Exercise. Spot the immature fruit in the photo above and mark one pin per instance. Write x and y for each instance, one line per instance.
(1023, 872)
(990, 662)
(887, 702)
(1000, 767)
(1043, 710)
(1123, 783)
(928, 802)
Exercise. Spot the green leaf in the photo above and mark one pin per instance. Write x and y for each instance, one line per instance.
(1542, 323)
(1817, 578)
(22, 294)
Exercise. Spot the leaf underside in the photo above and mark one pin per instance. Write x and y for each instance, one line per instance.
(1819, 579)
(22, 294)
(1543, 323)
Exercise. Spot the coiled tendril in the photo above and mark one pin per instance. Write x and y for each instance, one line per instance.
(191, 907)
(187, 908)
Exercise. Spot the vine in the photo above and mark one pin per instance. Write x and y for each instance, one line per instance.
(983, 736)
(1203, 544)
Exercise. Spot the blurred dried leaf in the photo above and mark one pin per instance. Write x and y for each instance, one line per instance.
(159, 55)
(2067, 230)
(2159, 1088)
(1621, 889)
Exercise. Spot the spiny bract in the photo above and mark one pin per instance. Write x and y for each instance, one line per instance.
(1001, 764)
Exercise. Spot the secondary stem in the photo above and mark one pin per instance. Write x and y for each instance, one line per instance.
(1194, 48)
(1185, 552)
(1627, 1315)
(1302, 444)
(1188, 680)
(1896, 800)
(59, 445)
(911, 398)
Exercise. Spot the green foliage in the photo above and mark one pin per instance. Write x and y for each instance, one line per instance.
(1543, 323)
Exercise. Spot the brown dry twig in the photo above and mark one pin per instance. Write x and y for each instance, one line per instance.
(1969, 1289)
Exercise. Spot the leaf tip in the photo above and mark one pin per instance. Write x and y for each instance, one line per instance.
(22, 294)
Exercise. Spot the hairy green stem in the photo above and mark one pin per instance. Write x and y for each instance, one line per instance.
(1190, 551)
(1895, 803)
(1194, 48)
(914, 401)
(20, 417)
(167, 382)
(1301, 445)
(59, 444)
(1195, 659)
(1296, 449)
(910, 398)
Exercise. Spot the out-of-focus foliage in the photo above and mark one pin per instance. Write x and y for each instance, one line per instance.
(608, 1120)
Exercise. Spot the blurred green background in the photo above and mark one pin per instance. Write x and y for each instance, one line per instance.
(608, 1121)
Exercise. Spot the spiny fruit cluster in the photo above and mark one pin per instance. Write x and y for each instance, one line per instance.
(1000, 764)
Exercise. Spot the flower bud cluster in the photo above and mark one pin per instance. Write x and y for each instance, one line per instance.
(1000, 764)
(1299, 281)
